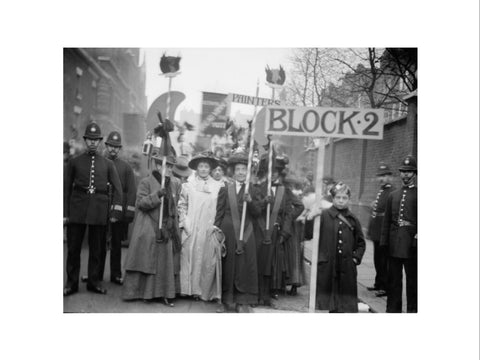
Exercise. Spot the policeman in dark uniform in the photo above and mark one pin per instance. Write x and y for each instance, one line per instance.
(399, 235)
(380, 257)
(119, 229)
(86, 204)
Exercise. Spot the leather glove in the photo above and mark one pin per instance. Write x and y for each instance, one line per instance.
(247, 198)
(161, 192)
(269, 199)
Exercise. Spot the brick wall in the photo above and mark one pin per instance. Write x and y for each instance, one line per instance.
(343, 160)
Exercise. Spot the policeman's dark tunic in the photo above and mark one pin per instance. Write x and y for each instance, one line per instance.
(374, 233)
(86, 203)
(239, 271)
(336, 271)
(120, 228)
(398, 235)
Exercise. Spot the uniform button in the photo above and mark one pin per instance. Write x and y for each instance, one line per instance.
(339, 241)
(340, 223)
(339, 251)
(339, 231)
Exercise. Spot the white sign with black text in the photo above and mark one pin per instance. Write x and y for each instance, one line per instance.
(325, 122)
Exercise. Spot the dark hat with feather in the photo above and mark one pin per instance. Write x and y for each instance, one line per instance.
(238, 158)
(203, 157)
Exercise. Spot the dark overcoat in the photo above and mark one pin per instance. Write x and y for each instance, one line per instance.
(144, 251)
(239, 271)
(271, 256)
(337, 272)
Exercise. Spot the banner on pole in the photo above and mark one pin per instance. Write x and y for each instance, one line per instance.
(325, 122)
(214, 112)
(253, 100)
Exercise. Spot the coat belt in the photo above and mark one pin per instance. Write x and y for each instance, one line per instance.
(89, 189)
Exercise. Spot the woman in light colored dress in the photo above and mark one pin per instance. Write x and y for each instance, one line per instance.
(197, 207)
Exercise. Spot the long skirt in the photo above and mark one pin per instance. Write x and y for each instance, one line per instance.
(294, 255)
(164, 283)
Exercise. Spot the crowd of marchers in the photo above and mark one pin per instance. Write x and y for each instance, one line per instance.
(202, 232)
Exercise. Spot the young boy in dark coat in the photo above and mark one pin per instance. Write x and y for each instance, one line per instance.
(340, 251)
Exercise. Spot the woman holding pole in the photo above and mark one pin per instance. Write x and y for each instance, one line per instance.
(152, 264)
(271, 239)
(239, 266)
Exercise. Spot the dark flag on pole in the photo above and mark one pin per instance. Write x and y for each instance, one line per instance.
(275, 76)
(169, 64)
(163, 130)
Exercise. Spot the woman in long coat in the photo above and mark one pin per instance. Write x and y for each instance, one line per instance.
(152, 263)
(272, 264)
(340, 251)
(196, 207)
(239, 266)
(293, 245)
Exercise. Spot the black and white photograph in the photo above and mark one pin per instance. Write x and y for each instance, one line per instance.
(240, 179)
(186, 192)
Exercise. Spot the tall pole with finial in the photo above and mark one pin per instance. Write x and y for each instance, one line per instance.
(165, 153)
(270, 166)
(169, 66)
(275, 80)
(249, 166)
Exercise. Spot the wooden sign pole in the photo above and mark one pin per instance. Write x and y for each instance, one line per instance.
(316, 227)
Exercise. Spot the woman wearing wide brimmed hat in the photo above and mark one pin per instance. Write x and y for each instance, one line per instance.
(239, 268)
(181, 170)
(196, 208)
(152, 264)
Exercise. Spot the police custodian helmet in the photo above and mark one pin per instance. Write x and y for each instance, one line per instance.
(92, 131)
(114, 139)
(408, 164)
(383, 169)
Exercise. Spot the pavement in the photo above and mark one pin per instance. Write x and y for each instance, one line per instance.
(112, 302)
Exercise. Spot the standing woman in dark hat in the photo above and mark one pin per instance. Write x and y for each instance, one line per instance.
(196, 209)
(239, 267)
(152, 264)
(293, 245)
(272, 265)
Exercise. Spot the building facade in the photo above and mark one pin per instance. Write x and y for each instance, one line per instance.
(105, 85)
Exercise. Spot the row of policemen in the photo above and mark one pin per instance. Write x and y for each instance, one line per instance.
(97, 191)
(393, 230)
